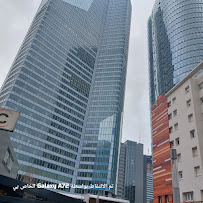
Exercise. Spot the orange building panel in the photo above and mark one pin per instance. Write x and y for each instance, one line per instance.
(162, 176)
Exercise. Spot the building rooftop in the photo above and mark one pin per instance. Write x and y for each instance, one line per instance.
(191, 74)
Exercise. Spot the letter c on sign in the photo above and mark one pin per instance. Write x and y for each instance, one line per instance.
(3, 114)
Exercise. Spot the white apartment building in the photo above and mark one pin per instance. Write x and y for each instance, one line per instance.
(186, 133)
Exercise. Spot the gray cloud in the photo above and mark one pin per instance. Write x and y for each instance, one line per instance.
(136, 111)
(15, 19)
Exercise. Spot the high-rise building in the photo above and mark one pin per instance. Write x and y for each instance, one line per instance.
(121, 172)
(175, 37)
(148, 179)
(68, 82)
(131, 172)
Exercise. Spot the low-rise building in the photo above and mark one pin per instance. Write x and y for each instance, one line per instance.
(177, 134)
(185, 113)
(162, 174)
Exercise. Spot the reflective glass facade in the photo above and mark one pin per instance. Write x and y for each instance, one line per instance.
(68, 82)
(98, 163)
(148, 179)
(175, 37)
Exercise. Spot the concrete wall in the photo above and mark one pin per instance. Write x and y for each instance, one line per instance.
(188, 92)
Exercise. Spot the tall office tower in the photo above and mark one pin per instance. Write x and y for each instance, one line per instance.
(175, 37)
(148, 179)
(121, 172)
(131, 172)
(68, 82)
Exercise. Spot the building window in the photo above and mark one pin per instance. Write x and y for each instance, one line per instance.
(171, 129)
(179, 157)
(194, 151)
(169, 103)
(188, 196)
(177, 141)
(197, 171)
(8, 160)
(175, 112)
(188, 103)
(159, 199)
(192, 134)
(166, 199)
(201, 100)
(180, 174)
(170, 116)
(187, 89)
(172, 144)
(190, 118)
(176, 126)
(174, 100)
(201, 85)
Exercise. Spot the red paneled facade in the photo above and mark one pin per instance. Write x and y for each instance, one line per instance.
(162, 176)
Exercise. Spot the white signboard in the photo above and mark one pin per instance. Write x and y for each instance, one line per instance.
(8, 119)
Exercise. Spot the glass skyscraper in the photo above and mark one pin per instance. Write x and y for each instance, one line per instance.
(68, 82)
(175, 37)
(148, 179)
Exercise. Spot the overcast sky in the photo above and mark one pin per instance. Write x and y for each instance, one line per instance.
(15, 19)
